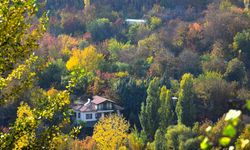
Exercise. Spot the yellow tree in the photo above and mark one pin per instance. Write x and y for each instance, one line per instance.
(111, 133)
(35, 126)
(19, 32)
(88, 59)
(86, 3)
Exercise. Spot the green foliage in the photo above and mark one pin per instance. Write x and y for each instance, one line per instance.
(52, 75)
(213, 64)
(78, 81)
(248, 104)
(185, 107)
(149, 117)
(181, 137)
(114, 47)
(131, 94)
(236, 72)
(243, 141)
(213, 92)
(226, 134)
(242, 46)
(166, 110)
(160, 140)
(100, 29)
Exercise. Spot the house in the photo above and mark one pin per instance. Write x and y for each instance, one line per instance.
(135, 21)
(94, 109)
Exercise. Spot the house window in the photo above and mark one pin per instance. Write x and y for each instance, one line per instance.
(100, 106)
(88, 116)
(109, 105)
(79, 115)
(98, 115)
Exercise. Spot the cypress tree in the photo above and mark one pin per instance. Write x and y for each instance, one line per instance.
(149, 111)
(166, 110)
(185, 107)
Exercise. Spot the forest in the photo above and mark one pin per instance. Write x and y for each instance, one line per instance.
(180, 70)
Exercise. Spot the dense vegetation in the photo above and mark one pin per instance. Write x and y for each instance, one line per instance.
(177, 75)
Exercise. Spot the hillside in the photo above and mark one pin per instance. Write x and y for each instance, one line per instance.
(176, 71)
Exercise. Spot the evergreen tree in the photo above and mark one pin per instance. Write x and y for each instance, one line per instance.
(130, 93)
(185, 107)
(149, 118)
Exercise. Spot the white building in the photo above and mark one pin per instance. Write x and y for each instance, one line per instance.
(135, 21)
(94, 109)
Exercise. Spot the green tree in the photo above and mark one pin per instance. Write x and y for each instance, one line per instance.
(242, 45)
(52, 75)
(160, 140)
(131, 93)
(236, 71)
(185, 108)
(166, 110)
(114, 47)
(213, 94)
(149, 117)
(180, 137)
(100, 29)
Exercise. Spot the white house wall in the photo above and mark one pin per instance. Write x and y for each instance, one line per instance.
(83, 115)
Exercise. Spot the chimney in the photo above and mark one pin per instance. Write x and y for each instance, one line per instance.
(89, 100)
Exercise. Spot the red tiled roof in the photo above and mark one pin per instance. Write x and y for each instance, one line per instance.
(85, 108)
(98, 100)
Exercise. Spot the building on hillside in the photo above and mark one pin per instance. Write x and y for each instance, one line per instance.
(94, 109)
(135, 21)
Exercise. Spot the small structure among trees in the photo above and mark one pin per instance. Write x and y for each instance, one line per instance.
(135, 21)
(94, 109)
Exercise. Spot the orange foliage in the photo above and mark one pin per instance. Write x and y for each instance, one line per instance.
(196, 27)
(87, 144)
(237, 10)
(52, 92)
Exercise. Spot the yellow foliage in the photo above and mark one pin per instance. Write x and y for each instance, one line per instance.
(89, 59)
(155, 22)
(22, 142)
(25, 125)
(86, 2)
(135, 143)
(122, 74)
(67, 43)
(110, 133)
